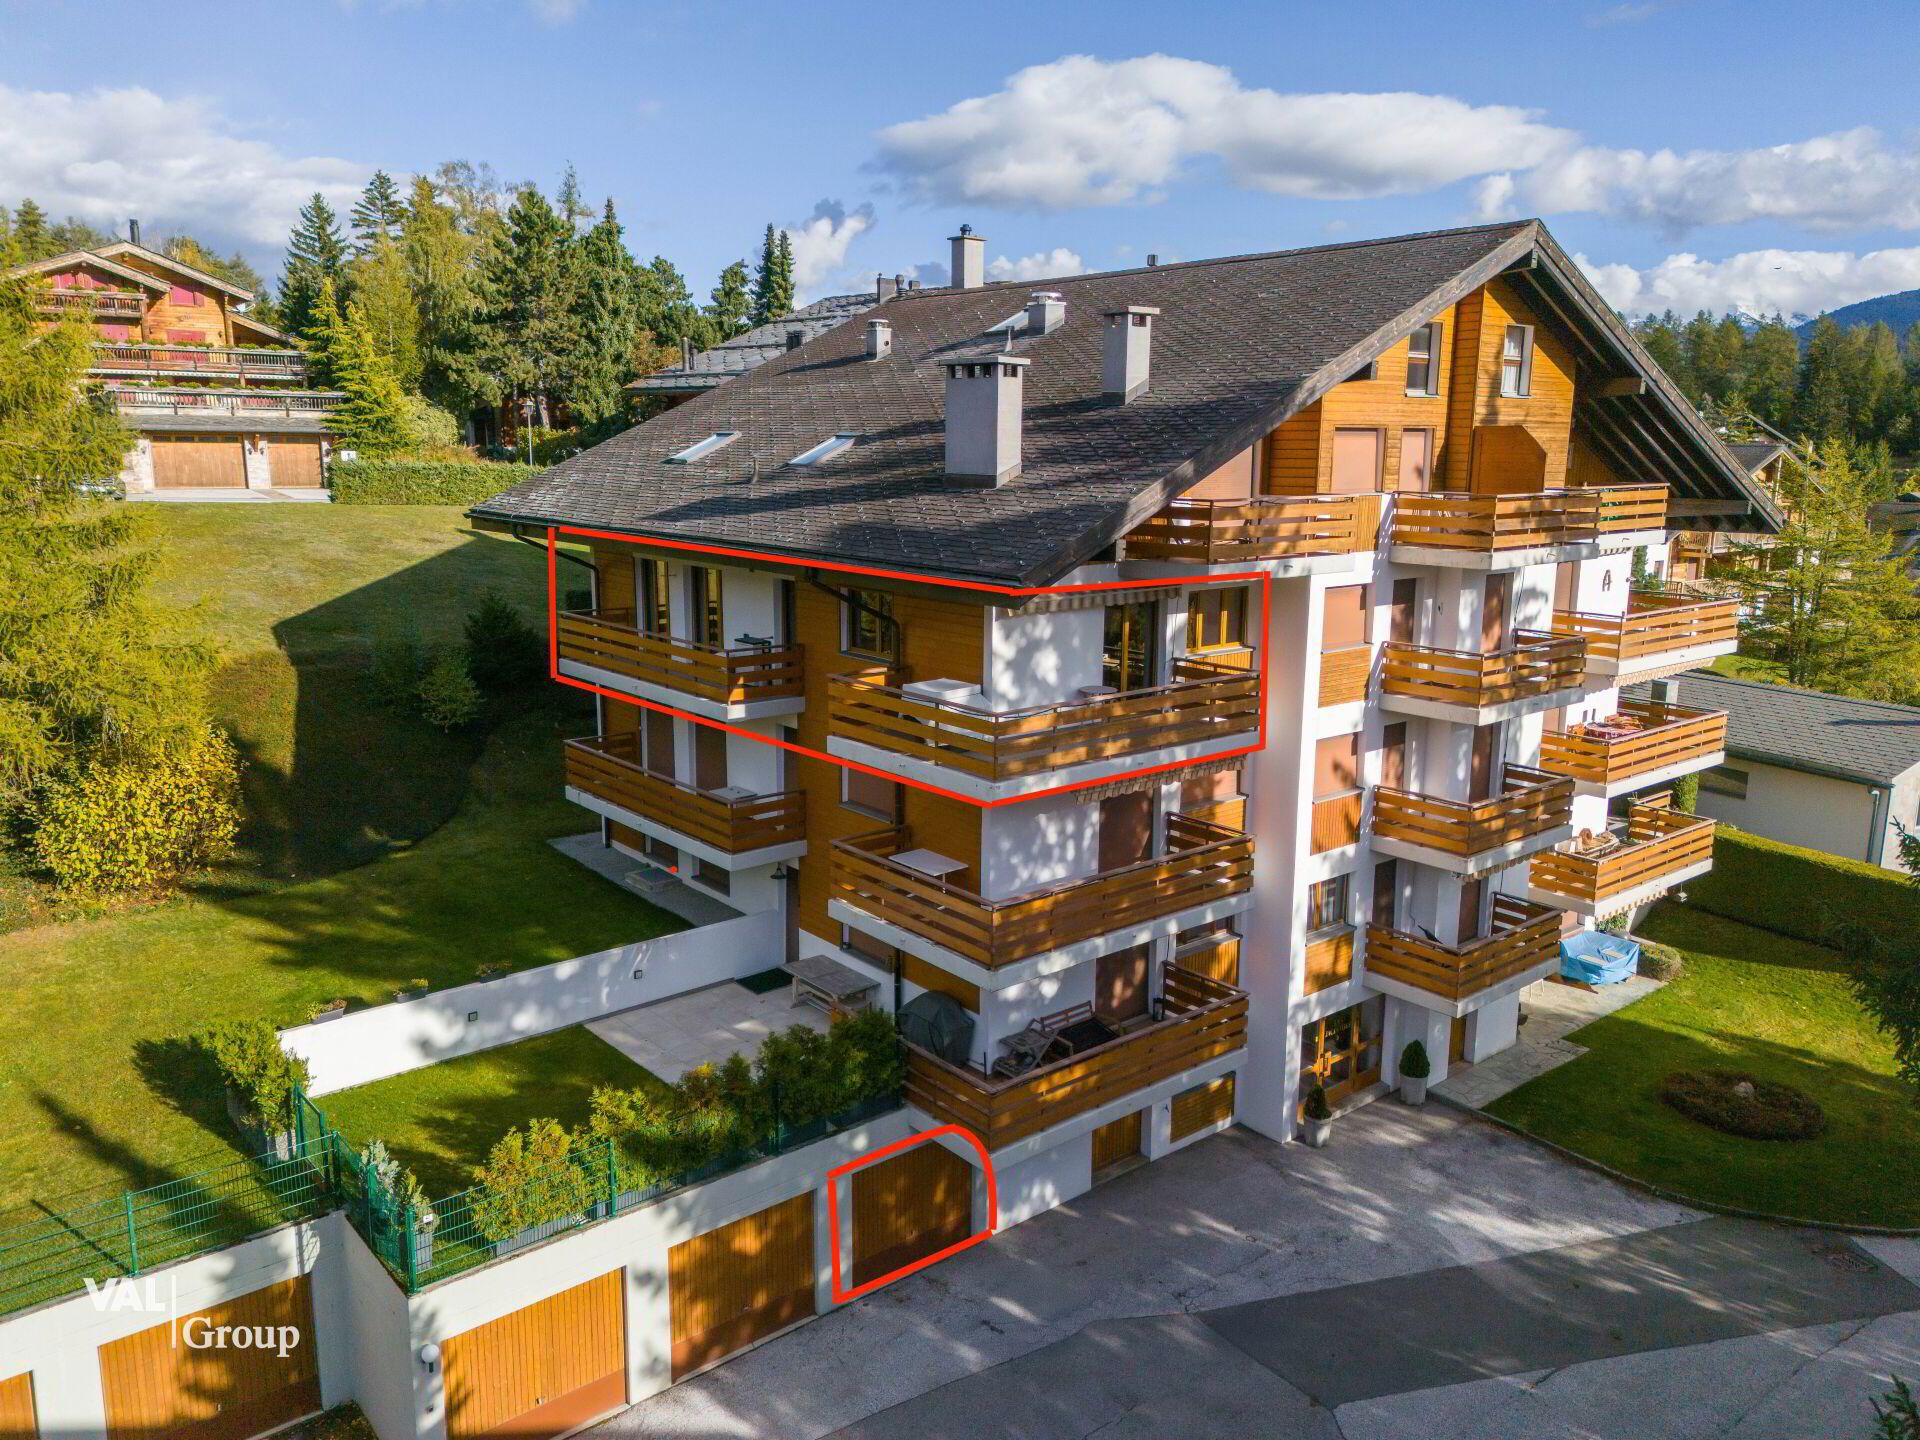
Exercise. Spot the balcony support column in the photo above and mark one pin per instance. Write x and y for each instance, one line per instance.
(1493, 1027)
(1406, 1022)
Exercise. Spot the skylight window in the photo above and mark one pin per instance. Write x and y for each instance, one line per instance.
(703, 448)
(824, 451)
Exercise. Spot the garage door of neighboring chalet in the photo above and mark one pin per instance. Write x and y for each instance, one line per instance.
(175, 1381)
(294, 460)
(543, 1370)
(209, 462)
(16, 1409)
(906, 1208)
(741, 1282)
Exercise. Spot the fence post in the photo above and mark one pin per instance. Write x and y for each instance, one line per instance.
(133, 1237)
(779, 1134)
(613, 1179)
(410, 1239)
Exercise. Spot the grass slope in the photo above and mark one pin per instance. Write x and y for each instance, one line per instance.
(1758, 1002)
(442, 1121)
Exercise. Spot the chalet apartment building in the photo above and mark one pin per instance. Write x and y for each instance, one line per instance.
(1400, 480)
(217, 399)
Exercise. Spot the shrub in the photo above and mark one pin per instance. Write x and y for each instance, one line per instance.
(1765, 883)
(1414, 1064)
(399, 665)
(422, 482)
(248, 1056)
(429, 427)
(1316, 1107)
(1767, 1112)
(531, 1177)
(1660, 962)
(1899, 1419)
(397, 1180)
(449, 700)
(139, 825)
(504, 652)
(1686, 792)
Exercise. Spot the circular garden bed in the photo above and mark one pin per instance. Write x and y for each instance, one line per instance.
(1738, 1104)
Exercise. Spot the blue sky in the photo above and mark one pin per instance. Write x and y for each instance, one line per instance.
(1710, 152)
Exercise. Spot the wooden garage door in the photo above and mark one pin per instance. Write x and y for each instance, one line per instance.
(1202, 1106)
(170, 1383)
(542, 1370)
(199, 461)
(731, 1286)
(908, 1207)
(294, 460)
(16, 1409)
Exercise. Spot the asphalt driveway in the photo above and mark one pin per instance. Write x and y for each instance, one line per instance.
(1425, 1276)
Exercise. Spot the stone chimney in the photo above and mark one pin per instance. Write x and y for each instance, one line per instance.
(879, 339)
(885, 288)
(1046, 312)
(984, 401)
(969, 259)
(1127, 351)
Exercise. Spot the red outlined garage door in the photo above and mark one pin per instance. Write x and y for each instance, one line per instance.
(908, 1207)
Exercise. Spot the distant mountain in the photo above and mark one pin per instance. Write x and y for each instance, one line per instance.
(1897, 311)
(1748, 321)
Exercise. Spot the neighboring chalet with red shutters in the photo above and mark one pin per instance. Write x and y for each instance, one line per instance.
(217, 399)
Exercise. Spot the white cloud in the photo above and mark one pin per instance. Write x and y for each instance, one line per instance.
(820, 243)
(1630, 14)
(110, 154)
(1041, 265)
(1084, 131)
(555, 12)
(1757, 282)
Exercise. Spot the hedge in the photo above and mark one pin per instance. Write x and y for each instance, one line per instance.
(1801, 893)
(423, 482)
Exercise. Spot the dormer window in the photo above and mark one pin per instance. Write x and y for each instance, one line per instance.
(824, 451)
(702, 449)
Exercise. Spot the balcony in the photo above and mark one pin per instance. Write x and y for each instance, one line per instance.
(1532, 812)
(747, 682)
(1636, 860)
(1206, 710)
(1502, 532)
(275, 365)
(1201, 1021)
(1659, 634)
(729, 828)
(151, 402)
(90, 304)
(1646, 743)
(1538, 672)
(1523, 946)
(1268, 527)
(1203, 875)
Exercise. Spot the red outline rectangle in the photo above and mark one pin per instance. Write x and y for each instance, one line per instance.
(553, 656)
(841, 1295)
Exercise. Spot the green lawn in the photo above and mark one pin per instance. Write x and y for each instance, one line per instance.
(1758, 1002)
(1749, 667)
(442, 1120)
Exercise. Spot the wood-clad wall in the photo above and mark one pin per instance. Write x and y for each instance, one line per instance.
(567, 1352)
(208, 317)
(745, 1280)
(16, 1409)
(1202, 1106)
(1546, 411)
(907, 1207)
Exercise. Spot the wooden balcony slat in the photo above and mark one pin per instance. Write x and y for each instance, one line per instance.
(609, 640)
(1531, 802)
(1524, 936)
(278, 364)
(1672, 736)
(1488, 524)
(1538, 664)
(1661, 842)
(147, 400)
(1654, 625)
(608, 768)
(92, 302)
(1225, 532)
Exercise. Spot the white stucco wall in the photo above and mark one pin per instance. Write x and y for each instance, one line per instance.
(1042, 659)
(1817, 811)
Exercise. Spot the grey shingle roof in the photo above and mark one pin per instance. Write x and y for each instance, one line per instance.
(1866, 740)
(752, 348)
(1239, 345)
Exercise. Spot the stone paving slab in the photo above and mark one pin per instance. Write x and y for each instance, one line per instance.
(671, 1037)
(1553, 1012)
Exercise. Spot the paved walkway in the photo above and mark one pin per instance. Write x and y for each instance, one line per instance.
(234, 495)
(702, 1027)
(1425, 1277)
(1553, 1012)
(649, 882)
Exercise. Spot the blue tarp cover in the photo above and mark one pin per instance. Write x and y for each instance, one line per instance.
(1594, 957)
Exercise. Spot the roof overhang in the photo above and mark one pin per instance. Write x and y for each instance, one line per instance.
(127, 247)
(88, 257)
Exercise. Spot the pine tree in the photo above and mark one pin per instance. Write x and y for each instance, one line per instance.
(1773, 362)
(315, 254)
(30, 239)
(731, 301)
(323, 339)
(667, 308)
(529, 339)
(1823, 411)
(784, 296)
(234, 268)
(377, 214)
(372, 419)
(773, 279)
(609, 324)
(570, 204)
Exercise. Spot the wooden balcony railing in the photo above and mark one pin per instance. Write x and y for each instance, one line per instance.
(98, 304)
(1204, 702)
(1343, 674)
(1202, 1020)
(1655, 842)
(1538, 664)
(1488, 524)
(610, 640)
(608, 768)
(1644, 738)
(211, 359)
(1203, 863)
(1266, 527)
(1654, 625)
(158, 400)
(1530, 802)
(1524, 936)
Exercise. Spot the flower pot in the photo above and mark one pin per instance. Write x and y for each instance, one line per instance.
(330, 1012)
(1317, 1132)
(1413, 1089)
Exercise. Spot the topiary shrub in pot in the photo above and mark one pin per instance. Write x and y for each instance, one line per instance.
(1414, 1070)
(1317, 1117)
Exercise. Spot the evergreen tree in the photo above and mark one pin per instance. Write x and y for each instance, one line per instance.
(378, 214)
(773, 279)
(1823, 411)
(382, 289)
(323, 339)
(1773, 362)
(439, 252)
(30, 239)
(234, 269)
(667, 308)
(731, 301)
(316, 254)
(570, 203)
(74, 233)
(82, 675)
(783, 254)
(609, 325)
(1879, 406)
(529, 339)
(372, 420)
